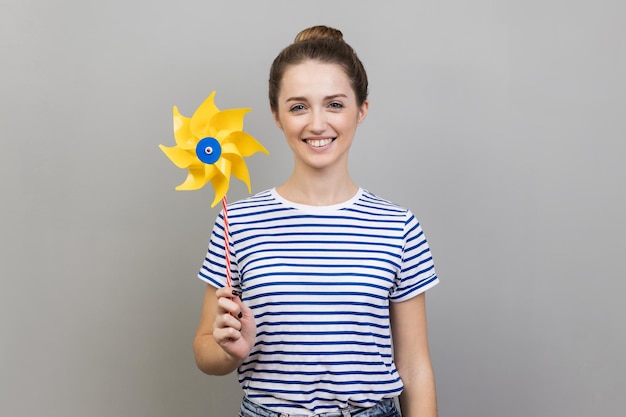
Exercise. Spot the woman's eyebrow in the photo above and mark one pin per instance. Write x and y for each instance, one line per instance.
(295, 99)
(334, 96)
(331, 97)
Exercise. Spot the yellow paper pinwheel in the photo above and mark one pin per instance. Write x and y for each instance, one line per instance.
(212, 145)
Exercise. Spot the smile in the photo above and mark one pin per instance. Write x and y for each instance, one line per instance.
(319, 143)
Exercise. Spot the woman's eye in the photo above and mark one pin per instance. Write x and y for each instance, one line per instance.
(297, 107)
(335, 105)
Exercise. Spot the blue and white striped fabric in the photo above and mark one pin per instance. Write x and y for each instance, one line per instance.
(319, 280)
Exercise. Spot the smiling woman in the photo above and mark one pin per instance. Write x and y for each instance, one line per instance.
(318, 113)
(325, 273)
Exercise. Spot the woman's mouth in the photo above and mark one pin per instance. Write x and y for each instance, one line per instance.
(319, 143)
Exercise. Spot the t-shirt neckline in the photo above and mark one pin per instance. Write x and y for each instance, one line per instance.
(317, 209)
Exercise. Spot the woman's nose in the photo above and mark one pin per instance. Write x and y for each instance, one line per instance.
(318, 121)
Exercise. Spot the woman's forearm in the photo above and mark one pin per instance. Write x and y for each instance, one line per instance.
(419, 398)
(211, 358)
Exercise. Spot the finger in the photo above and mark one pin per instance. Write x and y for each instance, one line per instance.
(227, 305)
(240, 307)
(232, 322)
(228, 292)
(227, 320)
(225, 335)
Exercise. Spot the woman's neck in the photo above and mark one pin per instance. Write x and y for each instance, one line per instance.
(318, 189)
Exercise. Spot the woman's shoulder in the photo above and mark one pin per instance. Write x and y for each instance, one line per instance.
(375, 201)
(265, 204)
(258, 199)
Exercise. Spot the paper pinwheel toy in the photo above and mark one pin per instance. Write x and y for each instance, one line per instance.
(212, 146)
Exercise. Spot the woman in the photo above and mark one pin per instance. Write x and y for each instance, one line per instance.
(325, 274)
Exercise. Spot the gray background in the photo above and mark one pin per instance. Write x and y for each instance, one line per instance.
(499, 123)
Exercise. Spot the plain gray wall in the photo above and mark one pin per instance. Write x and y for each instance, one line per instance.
(499, 123)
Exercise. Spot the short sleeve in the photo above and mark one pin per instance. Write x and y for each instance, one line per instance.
(417, 272)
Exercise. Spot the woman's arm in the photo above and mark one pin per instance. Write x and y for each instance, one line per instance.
(412, 357)
(225, 334)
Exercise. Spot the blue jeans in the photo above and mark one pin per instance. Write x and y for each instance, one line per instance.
(385, 408)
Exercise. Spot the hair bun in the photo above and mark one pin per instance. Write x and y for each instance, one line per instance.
(319, 32)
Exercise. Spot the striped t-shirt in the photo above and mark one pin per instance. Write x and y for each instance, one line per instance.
(319, 281)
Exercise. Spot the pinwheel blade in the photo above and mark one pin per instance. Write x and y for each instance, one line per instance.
(246, 144)
(182, 132)
(201, 125)
(196, 178)
(180, 157)
(221, 180)
(229, 120)
(239, 169)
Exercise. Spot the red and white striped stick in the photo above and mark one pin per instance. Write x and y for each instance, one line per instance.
(226, 244)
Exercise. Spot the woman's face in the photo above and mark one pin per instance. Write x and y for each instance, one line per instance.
(318, 113)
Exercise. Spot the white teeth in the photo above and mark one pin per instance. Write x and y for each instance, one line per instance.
(318, 143)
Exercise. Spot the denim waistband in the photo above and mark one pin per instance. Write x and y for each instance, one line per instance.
(384, 408)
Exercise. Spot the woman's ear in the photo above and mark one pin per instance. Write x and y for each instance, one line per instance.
(363, 111)
(277, 120)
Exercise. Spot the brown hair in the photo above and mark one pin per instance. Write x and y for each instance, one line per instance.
(323, 44)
